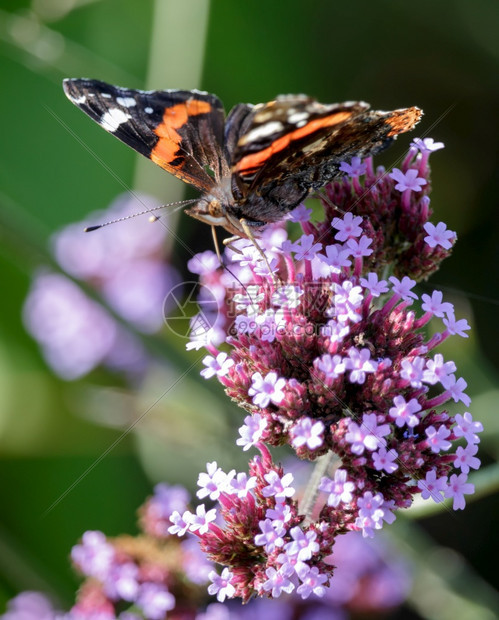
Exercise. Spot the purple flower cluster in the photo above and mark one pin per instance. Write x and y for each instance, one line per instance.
(154, 575)
(255, 533)
(145, 574)
(126, 266)
(328, 356)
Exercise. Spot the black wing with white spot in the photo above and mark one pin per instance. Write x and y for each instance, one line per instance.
(180, 130)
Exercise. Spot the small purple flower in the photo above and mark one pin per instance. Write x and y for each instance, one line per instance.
(413, 371)
(287, 296)
(403, 287)
(214, 482)
(252, 430)
(181, 523)
(427, 145)
(168, 498)
(281, 514)
(404, 413)
(94, 556)
(31, 606)
(266, 390)
(307, 432)
(304, 248)
(355, 168)
(466, 459)
(204, 263)
(340, 489)
(241, 485)
(300, 214)
(439, 235)
(437, 439)
(366, 435)
(122, 582)
(456, 327)
(371, 513)
(249, 300)
(347, 300)
(466, 427)
(437, 370)
(455, 388)
(435, 305)
(457, 488)
(271, 535)
(335, 330)
(277, 582)
(408, 180)
(219, 366)
(360, 247)
(221, 585)
(200, 522)
(433, 487)
(347, 227)
(331, 365)
(155, 600)
(359, 363)
(278, 487)
(375, 286)
(76, 333)
(336, 257)
(312, 583)
(384, 460)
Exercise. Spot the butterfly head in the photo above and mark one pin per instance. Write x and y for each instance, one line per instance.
(211, 210)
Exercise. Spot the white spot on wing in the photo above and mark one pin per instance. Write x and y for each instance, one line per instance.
(298, 117)
(148, 110)
(79, 100)
(126, 102)
(106, 95)
(113, 118)
(261, 132)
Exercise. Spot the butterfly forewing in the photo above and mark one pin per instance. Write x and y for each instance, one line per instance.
(181, 131)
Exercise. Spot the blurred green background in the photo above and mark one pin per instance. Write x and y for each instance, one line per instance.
(442, 56)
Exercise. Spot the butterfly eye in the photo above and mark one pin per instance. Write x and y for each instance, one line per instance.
(215, 208)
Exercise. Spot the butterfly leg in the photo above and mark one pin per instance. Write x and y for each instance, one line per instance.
(229, 241)
(217, 247)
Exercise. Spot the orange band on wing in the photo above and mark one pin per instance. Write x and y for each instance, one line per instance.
(255, 160)
(174, 118)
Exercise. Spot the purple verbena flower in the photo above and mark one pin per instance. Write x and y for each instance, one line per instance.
(266, 389)
(439, 235)
(309, 433)
(252, 431)
(221, 585)
(408, 180)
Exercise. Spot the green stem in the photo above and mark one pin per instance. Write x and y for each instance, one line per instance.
(309, 498)
(176, 60)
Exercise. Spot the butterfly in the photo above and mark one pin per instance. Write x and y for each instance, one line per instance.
(252, 166)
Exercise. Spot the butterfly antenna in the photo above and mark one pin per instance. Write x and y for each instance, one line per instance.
(132, 215)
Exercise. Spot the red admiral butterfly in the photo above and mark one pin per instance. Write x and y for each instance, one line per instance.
(256, 164)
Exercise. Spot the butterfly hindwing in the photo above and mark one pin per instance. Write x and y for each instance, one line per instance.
(294, 145)
(181, 131)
